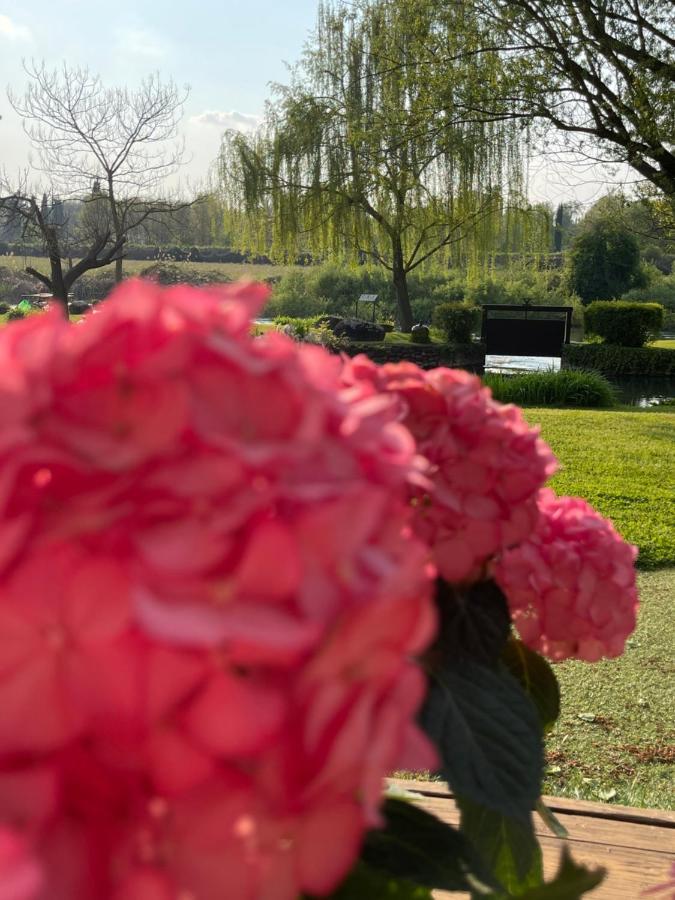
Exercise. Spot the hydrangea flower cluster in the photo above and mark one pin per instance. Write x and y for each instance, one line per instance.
(485, 464)
(571, 584)
(217, 556)
(210, 602)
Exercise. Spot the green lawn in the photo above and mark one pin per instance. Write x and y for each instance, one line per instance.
(615, 739)
(666, 344)
(623, 462)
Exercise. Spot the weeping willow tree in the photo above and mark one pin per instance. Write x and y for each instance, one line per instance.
(380, 147)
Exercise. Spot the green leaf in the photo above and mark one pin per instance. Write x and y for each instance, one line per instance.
(551, 820)
(537, 679)
(418, 847)
(474, 623)
(364, 883)
(571, 882)
(509, 847)
(488, 735)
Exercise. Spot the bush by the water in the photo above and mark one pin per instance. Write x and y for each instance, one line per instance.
(622, 323)
(456, 321)
(568, 387)
(15, 313)
(613, 360)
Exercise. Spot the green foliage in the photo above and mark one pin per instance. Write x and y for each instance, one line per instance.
(568, 387)
(16, 313)
(508, 846)
(418, 847)
(605, 261)
(660, 290)
(457, 322)
(301, 327)
(624, 324)
(367, 883)
(351, 160)
(535, 676)
(612, 360)
(487, 732)
(571, 881)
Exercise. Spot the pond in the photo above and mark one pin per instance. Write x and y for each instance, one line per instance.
(641, 391)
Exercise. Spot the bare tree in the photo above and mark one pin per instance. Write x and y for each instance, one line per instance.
(19, 205)
(122, 140)
(600, 71)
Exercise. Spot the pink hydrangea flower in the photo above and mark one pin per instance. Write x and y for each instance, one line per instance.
(21, 877)
(571, 586)
(484, 463)
(211, 598)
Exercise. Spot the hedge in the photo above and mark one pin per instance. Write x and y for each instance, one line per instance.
(622, 323)
(612, 360)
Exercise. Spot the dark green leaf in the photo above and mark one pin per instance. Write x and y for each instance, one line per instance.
(474, 623)
(508, 847)
(421, 848)
(489, 738)
(571, 882)
(537, 679)
(364, 883)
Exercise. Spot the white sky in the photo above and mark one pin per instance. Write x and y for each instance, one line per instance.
(227, 51)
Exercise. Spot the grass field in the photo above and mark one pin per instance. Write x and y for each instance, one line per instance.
(623, 462)
(665, 344)
(615, 739)
(133, 266)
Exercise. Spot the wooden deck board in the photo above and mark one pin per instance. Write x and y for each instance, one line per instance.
(636, 846)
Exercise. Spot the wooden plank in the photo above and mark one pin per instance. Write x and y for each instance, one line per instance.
(582, 828)
(662, 817)
(636, 853)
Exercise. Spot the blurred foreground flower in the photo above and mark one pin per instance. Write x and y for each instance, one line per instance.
(210, 601)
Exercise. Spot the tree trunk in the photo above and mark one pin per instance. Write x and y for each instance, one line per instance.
(401, 288)
(117, 225)
(59, 289)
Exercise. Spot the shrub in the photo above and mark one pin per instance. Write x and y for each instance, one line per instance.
(613, 360)
(420, 334)
(456, 321)
(15, 313)
(624, 324)
(568, 387)
(301, 327)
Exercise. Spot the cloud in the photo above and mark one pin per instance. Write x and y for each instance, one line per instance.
(140, 42)
(221, 119)
(13, 31)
